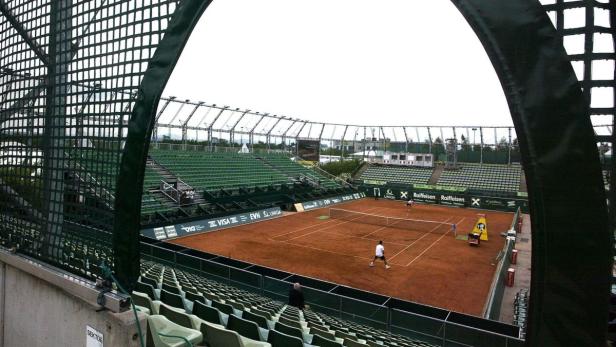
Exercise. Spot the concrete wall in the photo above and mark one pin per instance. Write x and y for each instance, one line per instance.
(35, 312)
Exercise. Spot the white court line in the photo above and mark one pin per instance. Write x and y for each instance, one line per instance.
(312, 226)
(369, 239)
(324, 250)
(433, 243)
(328, 227)
(368, 234)
(426, 234)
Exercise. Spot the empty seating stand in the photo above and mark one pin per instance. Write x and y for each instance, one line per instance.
(211, 171)
(490, 177)
(282, 163)
(397, 174)
(235, 317)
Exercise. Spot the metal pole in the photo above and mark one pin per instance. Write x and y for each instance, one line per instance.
(509, 149)
(54, 136)
(481, 148)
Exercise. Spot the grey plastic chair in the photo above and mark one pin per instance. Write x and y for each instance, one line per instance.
(278, 339)
(172, 299)
(285, 329)
(244, 327)
(323, 342)
(207, 313)
(260, 320)
(224, 308)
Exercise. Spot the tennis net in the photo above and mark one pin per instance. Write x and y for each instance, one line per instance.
(427, 226)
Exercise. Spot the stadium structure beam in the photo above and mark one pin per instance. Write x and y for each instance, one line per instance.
(157, 118)
(182, 104)
(383, 137)
(346, 127)
(54, 137)
(269, 132)
(192, 113)
(232, 135)
(79, 119)
(12, 79)
(284, 134)
(364, 142)
(468, 137)
(455, 136)
(19, 200)
(202, 120)
(185, 124)
(36, 90)
(300, 130)
(209, 129)
(406, 140)
(443, 139)
(321, 132)
(509, 149)
(612, 191)
(429, 140)
(418, 138)
(34, 46)
(252, 130)
(481, 147)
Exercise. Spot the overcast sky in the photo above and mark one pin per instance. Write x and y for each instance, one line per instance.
(348, 61)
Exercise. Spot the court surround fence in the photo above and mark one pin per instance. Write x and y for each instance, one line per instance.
(497, 289)
(434, 325)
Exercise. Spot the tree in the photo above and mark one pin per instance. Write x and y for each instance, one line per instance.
(503, 144)
(465, 145)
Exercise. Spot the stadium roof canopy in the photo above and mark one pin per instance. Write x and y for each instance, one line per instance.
(200, 121)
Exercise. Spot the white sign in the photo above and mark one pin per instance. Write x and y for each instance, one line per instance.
(94, 338)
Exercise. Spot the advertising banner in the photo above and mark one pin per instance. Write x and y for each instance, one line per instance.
(500, 204)
(452, 199)
(314, 204)
(206, 225)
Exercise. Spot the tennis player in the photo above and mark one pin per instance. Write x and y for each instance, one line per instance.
(410, 203)
(379, 253)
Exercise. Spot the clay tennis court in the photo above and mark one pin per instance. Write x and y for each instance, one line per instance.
(432, 268)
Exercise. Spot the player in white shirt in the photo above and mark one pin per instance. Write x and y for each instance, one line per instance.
(379, 253)
(410, 203)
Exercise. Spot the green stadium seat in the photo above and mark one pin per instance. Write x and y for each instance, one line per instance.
(218, 336)
(278, 339)
(290, 322)
(146, 289)
(289, 330)
(258, 319)
(159, 325)
(172, 299)
(324, 342)
(207, 313)
(244, 327)
(354, 343)
(224, 308)
(176, 316)
(143, 300)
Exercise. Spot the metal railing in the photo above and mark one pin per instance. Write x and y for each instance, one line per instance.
(442, 331)
(497, 288)
(169, 191)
